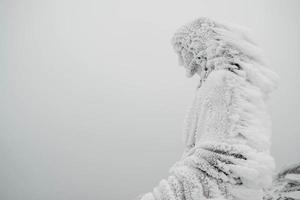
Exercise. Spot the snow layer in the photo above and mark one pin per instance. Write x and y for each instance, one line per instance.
(286, 184)
(227, 129)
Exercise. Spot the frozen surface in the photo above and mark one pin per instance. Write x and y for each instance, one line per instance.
(227, 129)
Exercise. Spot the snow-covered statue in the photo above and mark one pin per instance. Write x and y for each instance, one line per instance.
(227, 129)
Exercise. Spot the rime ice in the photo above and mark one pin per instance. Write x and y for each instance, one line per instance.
(227, 129)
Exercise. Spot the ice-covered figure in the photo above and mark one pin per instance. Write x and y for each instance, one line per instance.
(227, 129)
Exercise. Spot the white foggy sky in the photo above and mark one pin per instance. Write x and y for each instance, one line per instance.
(92, 99)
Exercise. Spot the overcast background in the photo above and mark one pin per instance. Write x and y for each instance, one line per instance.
(92, 99)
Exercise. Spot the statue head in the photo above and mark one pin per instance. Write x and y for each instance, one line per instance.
(190, 44)
(204, 45)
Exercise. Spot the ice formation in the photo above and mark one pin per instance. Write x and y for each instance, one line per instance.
(227, 129)
(286, 185)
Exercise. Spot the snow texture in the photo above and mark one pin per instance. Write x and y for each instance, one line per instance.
(286, 185)
(227, 129)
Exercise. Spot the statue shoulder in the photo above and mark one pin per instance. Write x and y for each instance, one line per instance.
(218, 82)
